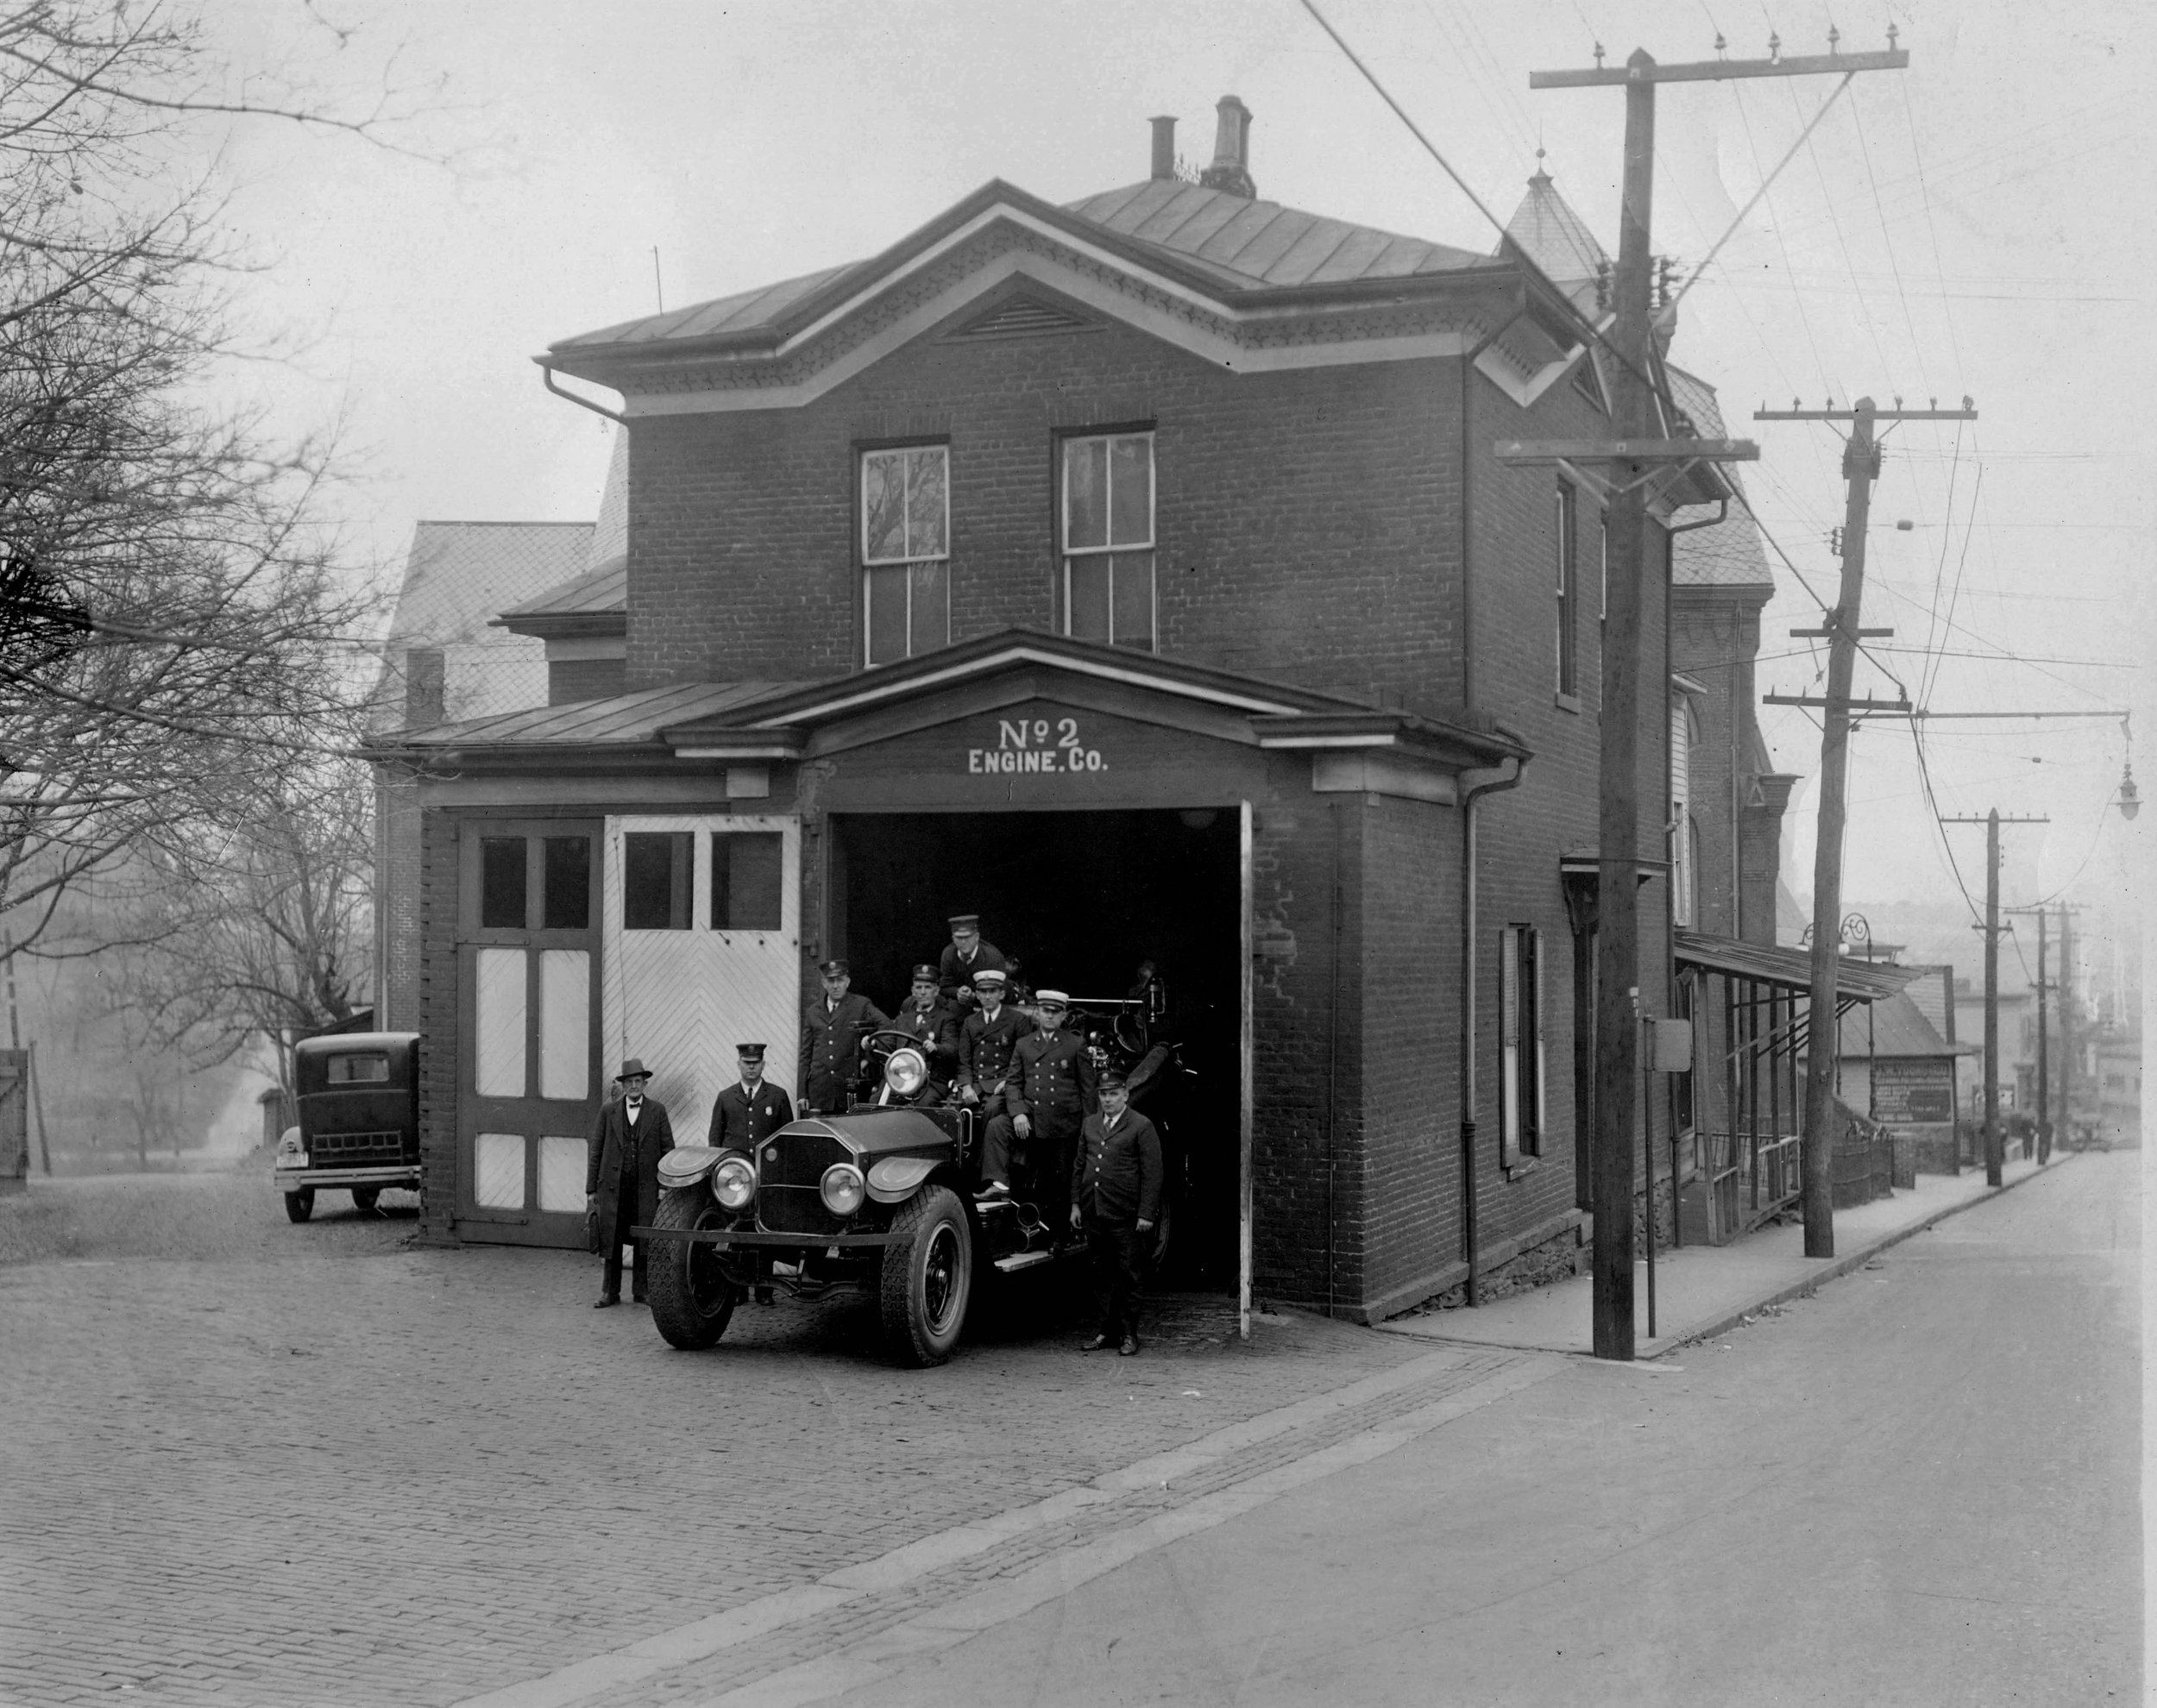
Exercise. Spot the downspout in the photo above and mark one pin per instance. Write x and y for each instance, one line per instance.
(1480, 783)
(547, 368)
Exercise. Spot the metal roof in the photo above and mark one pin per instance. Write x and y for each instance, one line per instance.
(461, 573)
(1899, 1028)
(1234, 241)
(623, 720)
(1729, 554)
(602, 592)
(1250, 242)
(1790, 969)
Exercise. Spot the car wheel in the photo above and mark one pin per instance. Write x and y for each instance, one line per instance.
(927, 1278)
(691, 1299)
(301, 1204)
(363, 1198)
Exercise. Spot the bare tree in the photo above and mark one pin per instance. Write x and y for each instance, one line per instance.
(174, 618)
(257, 924)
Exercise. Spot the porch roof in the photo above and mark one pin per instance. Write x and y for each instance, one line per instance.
(1788, 969)
(778, 720)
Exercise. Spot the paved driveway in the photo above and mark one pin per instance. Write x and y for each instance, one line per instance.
(250, 1462)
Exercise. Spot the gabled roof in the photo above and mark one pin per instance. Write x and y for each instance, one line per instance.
(461, 573)
(1224, 244)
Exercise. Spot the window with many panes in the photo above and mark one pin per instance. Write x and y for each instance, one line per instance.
(1107, 570)
(905, 551)
(1567, 592)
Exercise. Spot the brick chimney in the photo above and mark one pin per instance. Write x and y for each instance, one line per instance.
(1231, 168)
(424, 675)
(1164, 147)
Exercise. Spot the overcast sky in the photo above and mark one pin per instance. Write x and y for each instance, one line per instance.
(1978, 225)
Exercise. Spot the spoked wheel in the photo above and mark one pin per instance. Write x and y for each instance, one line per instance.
(301, 1204)
(691, 1299)
(927, 1278)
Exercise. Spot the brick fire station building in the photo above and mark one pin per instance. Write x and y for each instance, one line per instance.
(1137, 573)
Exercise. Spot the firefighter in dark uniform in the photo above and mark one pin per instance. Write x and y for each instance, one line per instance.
(1049, 1094)
(745, 1113)
(1116, 1192)
(985, 1038)
(933, 1024)
(832, 1031)
(966, 956)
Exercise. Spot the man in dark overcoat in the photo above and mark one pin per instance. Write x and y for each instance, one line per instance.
(832, 1031)
(1048, 1092)
(967, 954)
(1116, 1191)
(933, 1024)
(744, 1114)
(621, 1176)
(986, 1039)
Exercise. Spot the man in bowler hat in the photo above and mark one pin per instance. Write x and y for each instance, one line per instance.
(621, 1178)
(1116, 1192)
(832, 1031)
(753, 1110)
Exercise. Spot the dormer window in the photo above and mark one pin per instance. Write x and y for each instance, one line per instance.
(1107, 591)
(905, 551)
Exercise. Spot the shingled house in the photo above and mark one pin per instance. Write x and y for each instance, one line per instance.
(1137, 572)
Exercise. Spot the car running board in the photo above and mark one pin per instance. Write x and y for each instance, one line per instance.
(1022, 1260)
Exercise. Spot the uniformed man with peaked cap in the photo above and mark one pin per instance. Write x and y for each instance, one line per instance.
(967, 955)
(752, 1109)
(832, 1031)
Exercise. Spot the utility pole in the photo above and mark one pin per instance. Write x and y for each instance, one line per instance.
(1994, 1158)
(1631, 340)
(2044, 1039)
(1860, 468)
(2067, 1027)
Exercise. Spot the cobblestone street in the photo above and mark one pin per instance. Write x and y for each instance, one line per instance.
(250, 1462)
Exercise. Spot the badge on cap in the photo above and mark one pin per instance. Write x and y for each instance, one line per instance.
(925, 974)
(750, 1052)
(834, 969)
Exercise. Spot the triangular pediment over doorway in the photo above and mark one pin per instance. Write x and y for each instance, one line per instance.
(1015, 667)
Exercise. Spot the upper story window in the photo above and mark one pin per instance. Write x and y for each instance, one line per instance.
(905, 551)
(1108, 539)
(1567, 592)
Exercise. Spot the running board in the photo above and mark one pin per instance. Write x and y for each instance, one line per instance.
(1022, 1260)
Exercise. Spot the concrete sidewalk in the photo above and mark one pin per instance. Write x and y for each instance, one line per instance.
(1703, 1290)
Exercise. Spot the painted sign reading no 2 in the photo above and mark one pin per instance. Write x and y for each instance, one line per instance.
(1034, 745)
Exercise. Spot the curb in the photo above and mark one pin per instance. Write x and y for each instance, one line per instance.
(1838, 1267)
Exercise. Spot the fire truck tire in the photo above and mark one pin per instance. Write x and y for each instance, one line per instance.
(364, 1197)
(301, 1204)
(927, 1278)
(692, 1301)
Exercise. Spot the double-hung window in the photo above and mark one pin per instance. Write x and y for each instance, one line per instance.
(905, 551)
(1107, 591)
(1567, 592)
(1520, 1071)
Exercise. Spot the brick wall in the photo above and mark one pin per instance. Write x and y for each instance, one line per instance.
(570, 679)
(1307, 522)
(1714, 637)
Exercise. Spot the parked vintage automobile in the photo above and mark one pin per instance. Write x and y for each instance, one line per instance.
(359, 1119)
(880, 1199)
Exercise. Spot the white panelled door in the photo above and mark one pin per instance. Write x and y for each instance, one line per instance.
(700, 934)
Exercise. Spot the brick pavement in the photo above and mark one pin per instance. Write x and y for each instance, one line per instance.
(417, 1476)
